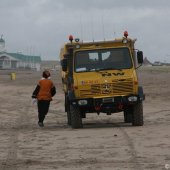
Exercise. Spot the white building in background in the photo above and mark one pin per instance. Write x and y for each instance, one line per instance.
(2, 44)
(17, 60)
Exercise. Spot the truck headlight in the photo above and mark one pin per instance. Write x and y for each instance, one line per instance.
(132, 99)
(125, 41)
(82, 102)
(77, 46)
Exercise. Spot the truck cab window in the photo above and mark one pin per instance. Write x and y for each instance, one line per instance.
(115, 58)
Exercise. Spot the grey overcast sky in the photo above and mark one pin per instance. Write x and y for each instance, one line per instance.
(40, 27)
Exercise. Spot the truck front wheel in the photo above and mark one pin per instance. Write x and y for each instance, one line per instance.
(76, 120)
(137, 116)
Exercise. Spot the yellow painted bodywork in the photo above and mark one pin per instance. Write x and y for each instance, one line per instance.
(93, 84)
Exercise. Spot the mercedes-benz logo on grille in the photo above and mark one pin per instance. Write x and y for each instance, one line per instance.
(106, 89)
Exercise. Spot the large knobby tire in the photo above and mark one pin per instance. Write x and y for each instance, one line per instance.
(76, 120)
(67, 109)
(137, 117)
(68, 117)
(128, 114)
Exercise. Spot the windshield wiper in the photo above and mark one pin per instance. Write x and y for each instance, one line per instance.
(102, 69)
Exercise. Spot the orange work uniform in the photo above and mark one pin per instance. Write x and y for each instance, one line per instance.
(46, 85)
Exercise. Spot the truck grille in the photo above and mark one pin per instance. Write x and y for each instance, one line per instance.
(118, 87)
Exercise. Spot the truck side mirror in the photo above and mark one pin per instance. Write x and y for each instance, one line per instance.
(64, 64)
(140, 57)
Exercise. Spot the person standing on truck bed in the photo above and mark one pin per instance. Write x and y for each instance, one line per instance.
(44, 92)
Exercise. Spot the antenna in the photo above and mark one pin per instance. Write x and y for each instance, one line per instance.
(92, 31)
(81, 28)
(103, 28)
(114, 34)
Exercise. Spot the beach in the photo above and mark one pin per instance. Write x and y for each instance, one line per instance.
(104, 143)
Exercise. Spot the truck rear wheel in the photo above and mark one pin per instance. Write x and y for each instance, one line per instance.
(76, 120)
(67, 109)
(128, 114)
(137, 116)
(68, 117)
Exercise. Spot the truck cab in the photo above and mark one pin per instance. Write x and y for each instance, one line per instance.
(101, 77)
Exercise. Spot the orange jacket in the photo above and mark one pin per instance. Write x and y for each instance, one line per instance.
(45, 90)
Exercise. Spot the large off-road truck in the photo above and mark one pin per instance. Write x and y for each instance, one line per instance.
(101, 77)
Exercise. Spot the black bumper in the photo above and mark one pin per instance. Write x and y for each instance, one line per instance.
(108, 104)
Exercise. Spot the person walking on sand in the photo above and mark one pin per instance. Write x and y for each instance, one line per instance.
(44, 92)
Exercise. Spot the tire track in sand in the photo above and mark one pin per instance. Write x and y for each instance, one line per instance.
(11, 161)
(132, 151)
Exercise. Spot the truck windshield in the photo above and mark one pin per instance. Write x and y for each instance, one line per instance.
(105, 59)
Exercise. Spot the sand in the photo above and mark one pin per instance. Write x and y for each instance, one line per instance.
(105, 142)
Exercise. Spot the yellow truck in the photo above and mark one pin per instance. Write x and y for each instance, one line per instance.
(101, 77)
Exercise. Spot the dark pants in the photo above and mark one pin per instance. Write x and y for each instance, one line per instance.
(43, 107)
